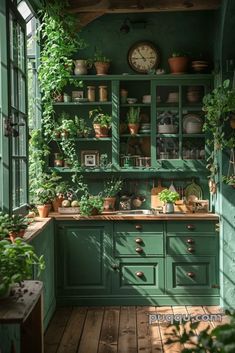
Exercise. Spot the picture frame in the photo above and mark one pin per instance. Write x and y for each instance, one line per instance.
(90, 158)
(77, 95)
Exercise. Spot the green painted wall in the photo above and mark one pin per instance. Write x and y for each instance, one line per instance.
(192, 32)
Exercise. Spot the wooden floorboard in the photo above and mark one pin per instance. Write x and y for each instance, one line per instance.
(126, 329)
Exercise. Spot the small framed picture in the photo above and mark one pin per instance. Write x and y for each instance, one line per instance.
(90, 158)
(76, 95)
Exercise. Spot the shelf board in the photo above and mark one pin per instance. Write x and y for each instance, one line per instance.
(147, 77)
(194, 135)
(192, 107)
(68, 104)
(137, 135)
(136, 105)
(167, 135)
(84, 139)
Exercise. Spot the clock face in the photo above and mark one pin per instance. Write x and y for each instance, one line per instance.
(143, 57)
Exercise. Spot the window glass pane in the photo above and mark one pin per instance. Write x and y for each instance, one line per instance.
(21, 93)
(22, 183)
(24, 10)
(21, 47)
(19, 191)
(14, 83)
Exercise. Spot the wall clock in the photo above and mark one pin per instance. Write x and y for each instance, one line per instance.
(143, 56)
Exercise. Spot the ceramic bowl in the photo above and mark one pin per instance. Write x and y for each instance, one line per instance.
(131, 100)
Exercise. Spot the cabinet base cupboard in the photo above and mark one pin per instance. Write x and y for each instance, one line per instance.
(137, 263)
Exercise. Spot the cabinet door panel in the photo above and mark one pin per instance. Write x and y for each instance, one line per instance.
(139, 277)
(192, 245)
(138, 226)
(190, 226)
(147, 244)
(83, 259)
(192, 275)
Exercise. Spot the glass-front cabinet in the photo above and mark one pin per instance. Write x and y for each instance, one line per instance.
(157, 122)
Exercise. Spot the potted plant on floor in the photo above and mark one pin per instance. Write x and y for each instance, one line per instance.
(101, 122)
(17, 262)
(101, 62)
(178, 63)
(91, 205)
(111, 188)
(133, 120)
(168, 198)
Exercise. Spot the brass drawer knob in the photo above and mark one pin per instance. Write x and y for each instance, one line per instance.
(191, 250)
(191, 226)
(190, 241)
(138, 226)
(139, 250)
(139, 240)
(191, 274)
(139, 274)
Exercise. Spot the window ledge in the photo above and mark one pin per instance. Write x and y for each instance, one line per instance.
(36, 228)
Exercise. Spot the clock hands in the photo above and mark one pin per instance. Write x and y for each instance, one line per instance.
(141, 55)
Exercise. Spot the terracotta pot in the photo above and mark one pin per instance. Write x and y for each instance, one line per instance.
(58, 163)
(102, 68)
(56, 203)
(101, 131)
(109, 203)
(133, 128)
(44, 210)
(19, 234)
(179, 64)
(94, 212)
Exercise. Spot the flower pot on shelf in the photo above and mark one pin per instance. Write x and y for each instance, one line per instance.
(179, 64)
(43, 210)
(102, 68)
(101, 131)
(133, 128)
(109, 203)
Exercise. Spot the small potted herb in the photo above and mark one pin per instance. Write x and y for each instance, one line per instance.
(178, 63)
(101, 62)
(133, 120)
(91, 205)
(44, 194)
(16, 226)
(68, 129)
(17, 262)
(101, 122)
(169, 198)
(111, 188)
(58, 160)
(82, 129)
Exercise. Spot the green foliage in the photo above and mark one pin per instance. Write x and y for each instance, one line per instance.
(61, 40)
(99, 57)
(133, 115)
(5, 221)
(91, 204)
(45, 191)
(101, 118)
(178, 54)
(168, 196)
(230, 180)
(219, 340)
(68, 126)
(82, 129)
(112, 187)
(17, 261)
(17, 223)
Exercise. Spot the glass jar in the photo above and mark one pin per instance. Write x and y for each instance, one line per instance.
(124, 95)
(103, 94)
(91, 93)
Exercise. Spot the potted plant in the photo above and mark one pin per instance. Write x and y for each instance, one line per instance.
(5, 220)
(101, 62)
(111, 188)
(68, 128)
(16, 226)
(169, 198)
(82, 129)
(91, 205)
(44, 194)
(178, 63)
(58, 160)
(17, 262)
(101, 122)
(133, 120)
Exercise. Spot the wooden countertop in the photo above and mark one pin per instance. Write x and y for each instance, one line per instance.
(118, 217)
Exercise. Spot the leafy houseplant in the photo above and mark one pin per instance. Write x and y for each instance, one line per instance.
(17, 226)
(169, 198)
(5, 221)
(68, 128)
(58, 160)
(91, 205)
(82, 129)
(111, 188)
(17, 261)
(133, 120)
(178, 63)
(44, 194)
(101, 122)
(101, 62)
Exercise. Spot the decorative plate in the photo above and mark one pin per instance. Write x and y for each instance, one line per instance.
(193, 192)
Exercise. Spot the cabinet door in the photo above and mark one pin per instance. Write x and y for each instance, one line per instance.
(192, 275)
(138, 277)
(82, 258)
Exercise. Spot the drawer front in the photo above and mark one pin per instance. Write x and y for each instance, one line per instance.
(138, 226)
(190, 226)
(192, 245)
(193, 275)
(138, 277)
(146, 244)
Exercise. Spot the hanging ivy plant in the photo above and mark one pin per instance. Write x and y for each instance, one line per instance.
(217, 106)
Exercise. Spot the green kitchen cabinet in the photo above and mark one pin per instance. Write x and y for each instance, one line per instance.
(44, 244)
(83, 258)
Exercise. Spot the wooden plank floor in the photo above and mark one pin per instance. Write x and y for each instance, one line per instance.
(125, 329)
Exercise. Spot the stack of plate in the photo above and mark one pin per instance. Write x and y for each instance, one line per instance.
(192, 124)
(173, 97)
(194, 94)
(145, 128)
(200, 65)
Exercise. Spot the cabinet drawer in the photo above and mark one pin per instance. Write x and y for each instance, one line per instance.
(192, 245)
(192, 275)
(138, 226)
(190, 226)
(144, 276)
(136, 244)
